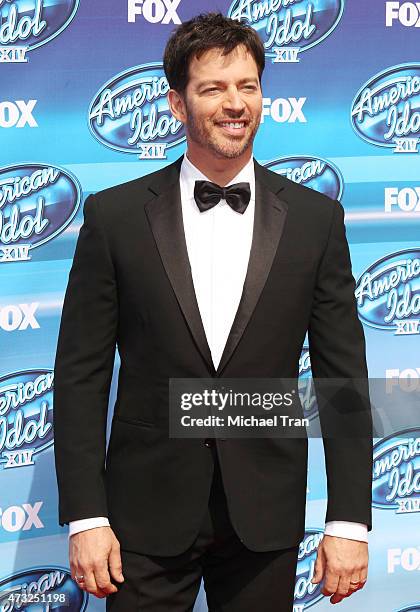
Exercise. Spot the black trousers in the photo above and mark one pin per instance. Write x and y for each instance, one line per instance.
(236, 579)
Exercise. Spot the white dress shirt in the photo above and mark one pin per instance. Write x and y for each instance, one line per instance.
(218, 244)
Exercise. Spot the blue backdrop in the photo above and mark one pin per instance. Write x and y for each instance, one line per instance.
(82, 107)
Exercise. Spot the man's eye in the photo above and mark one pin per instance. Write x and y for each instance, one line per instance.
(211, 89)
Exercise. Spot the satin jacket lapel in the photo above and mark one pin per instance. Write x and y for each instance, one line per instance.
(269, 219)
(165, 217)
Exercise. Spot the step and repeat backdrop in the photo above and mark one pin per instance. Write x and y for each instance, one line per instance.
(82, 107)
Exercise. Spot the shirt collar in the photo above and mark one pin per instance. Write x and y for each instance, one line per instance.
(190, 173)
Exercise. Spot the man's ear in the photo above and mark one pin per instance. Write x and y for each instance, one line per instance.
(177, 105)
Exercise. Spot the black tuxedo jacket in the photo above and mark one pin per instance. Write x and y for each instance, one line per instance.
(130, 285)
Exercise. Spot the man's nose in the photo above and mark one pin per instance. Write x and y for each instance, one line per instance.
(233, 101)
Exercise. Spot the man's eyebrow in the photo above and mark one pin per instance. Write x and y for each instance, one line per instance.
(219, 82)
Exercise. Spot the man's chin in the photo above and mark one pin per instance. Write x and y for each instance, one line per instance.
(230, 152)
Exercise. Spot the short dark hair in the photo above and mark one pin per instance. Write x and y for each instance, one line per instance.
(202, 33)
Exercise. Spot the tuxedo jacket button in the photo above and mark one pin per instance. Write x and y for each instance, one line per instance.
(209, 442)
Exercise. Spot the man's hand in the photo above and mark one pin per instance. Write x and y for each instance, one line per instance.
(95, 555)
(343, 565)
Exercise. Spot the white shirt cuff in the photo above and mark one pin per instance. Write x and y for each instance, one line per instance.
(347, 529)
(85, 524)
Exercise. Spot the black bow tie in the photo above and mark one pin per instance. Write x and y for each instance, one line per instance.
(208, 194)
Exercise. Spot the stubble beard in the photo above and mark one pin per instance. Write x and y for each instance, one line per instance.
(221, 147)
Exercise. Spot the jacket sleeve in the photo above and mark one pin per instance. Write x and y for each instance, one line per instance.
(337, 351)
(83, 372)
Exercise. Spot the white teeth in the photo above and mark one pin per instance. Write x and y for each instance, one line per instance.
(233, 125)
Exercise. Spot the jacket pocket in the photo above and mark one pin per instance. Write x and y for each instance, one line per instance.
(131, 421)
(131, 407)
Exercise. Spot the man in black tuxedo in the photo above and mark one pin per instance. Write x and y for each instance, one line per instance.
(213, 267)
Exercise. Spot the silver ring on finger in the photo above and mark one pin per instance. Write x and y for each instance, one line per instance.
(80, 578)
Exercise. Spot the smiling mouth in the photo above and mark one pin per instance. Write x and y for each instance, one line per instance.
(233, 125)
(233, 128)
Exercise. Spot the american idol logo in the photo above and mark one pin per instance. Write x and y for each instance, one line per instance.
(313, 172)
(396, 472)
(37, 202)
(413, 608)
(304, 362)
(305, 385)
(307, 593)
(130, 113)
(386, 110)
(43, 589)
(28, 24)
(388, 293)
(26, 419)
(288, 27)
